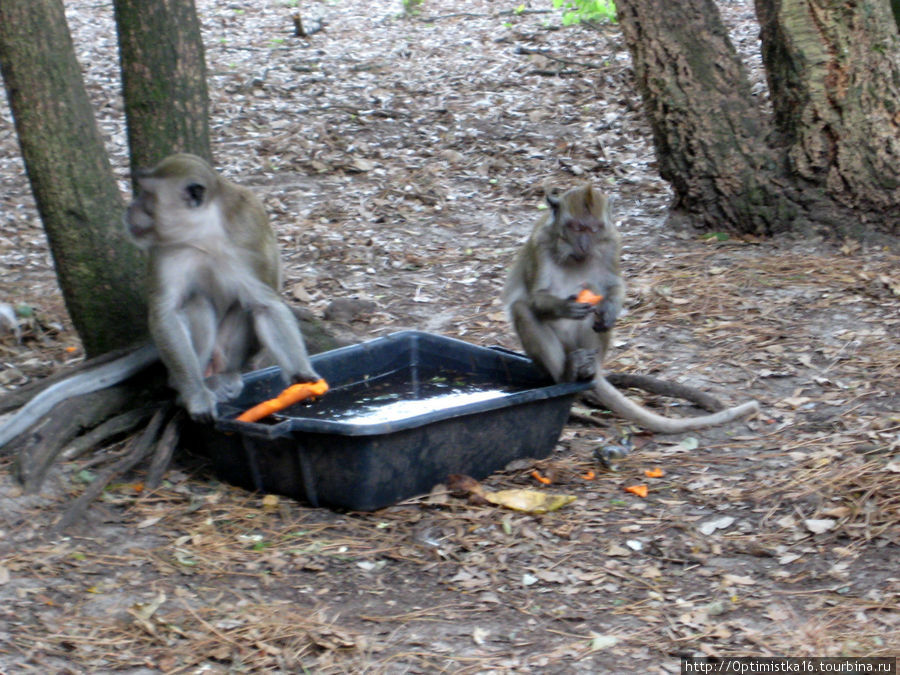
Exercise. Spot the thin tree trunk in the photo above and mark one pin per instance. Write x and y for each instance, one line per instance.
(100, 272)
(163, 78)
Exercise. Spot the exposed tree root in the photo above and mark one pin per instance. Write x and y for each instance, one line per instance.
(39, 447)
(665, 388)
(113, 428)
(165, 449)
(19, 397)
(139, 448)
(653, 385)
(93, 423)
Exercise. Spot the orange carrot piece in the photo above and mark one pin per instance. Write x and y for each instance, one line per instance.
(293, 394)
(639, 490)
(655, 472)
(588, 296)
(590, 475)
(539, 478)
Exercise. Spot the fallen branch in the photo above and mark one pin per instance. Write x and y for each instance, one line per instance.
(567, 62)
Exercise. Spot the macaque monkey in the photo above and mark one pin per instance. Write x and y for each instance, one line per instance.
(576, 246)
(214, 277)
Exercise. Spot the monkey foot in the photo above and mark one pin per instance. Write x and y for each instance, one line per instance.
(581, 365)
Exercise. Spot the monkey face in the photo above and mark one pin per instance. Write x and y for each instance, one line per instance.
(581, 236)
(580, 219)
(175, 202)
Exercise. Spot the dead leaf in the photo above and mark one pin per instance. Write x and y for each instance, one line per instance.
(599, 642)
(711, 526)
(462, 485)
(529, 501)
(617, 551)
(148, 522)
(480, 635)
(361, 164)
(738, 580)
(299, 292)
(819, 525)
(689, 443)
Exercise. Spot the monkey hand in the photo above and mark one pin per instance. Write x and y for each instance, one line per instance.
(306, 375)
(605, 315)
(201, 406)
(573, 309)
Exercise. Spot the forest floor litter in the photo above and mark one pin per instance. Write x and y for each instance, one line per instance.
(402, 160)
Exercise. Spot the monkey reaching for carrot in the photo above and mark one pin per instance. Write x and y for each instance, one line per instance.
(214, 278)
(574, 250)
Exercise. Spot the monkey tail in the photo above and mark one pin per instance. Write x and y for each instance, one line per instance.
(618, 403)
(85, 382)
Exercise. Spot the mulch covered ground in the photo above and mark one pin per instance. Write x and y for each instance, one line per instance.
(402, 160)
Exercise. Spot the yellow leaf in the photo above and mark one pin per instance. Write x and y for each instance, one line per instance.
(530, 501)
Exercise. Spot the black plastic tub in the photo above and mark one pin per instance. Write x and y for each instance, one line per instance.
(482, 408)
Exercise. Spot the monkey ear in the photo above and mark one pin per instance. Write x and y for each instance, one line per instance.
(195, 193)
(589, 197)
(552, 197)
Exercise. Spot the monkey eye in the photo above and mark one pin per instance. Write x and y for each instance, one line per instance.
(582, 226)
(195, 193)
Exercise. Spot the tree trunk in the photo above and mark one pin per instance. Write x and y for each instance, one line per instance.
(834, 74)
(716, 147)
(100, 272)
(163, 79)
(708, 130)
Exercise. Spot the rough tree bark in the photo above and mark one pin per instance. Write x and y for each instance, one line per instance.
(833, 70)
(715, 143)
(163, 79)
(100, 273)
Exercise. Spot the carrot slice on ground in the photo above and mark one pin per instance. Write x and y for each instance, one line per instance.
(639, 490)
(539, 478)
(588, 296)
(590, 475)
(655, 472)
(293, 394)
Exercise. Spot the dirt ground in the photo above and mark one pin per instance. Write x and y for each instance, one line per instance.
(402, 162)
